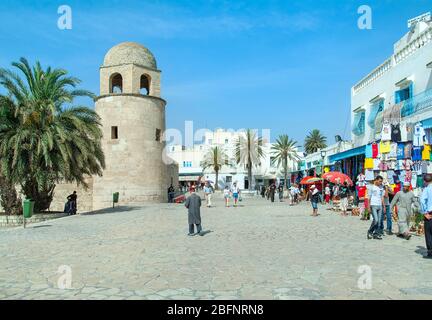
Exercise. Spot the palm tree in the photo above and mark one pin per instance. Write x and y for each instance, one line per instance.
(9, 199)
(215, 158)
(315, 141)
(47, 140)
(283, 150)
(249, 151)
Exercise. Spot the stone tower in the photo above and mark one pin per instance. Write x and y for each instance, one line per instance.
(133, 120)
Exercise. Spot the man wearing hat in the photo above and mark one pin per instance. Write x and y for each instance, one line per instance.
(404, 200)
(426, 208)
(315, 198)
(193, 203)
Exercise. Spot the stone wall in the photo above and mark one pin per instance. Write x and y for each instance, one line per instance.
(15, 221)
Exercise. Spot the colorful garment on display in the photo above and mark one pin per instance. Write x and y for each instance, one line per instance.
(407, 150)
(361, 180)
(417, 153)
(368, 151)
(408, 176)
(369, 163)
(419, 135)
(429, 168)
(404, 133)
(376, 164)
(419, 181)
(407, 164)
(385, 147)
(393, 150)
(426, 153)
(369, 175)
(383, 166)
(375, 150)
(386, 132)
(395, 133)
(400, 151)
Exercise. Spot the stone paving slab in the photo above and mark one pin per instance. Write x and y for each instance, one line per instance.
(258, 250)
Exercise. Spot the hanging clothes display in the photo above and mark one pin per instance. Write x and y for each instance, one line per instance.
(396, 133)
(385, 147)
(386, 131)
(419, 135)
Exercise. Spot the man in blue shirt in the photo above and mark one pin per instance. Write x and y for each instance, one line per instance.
(426, 208)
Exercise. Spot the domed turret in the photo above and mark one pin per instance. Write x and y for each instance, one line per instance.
(130, 53)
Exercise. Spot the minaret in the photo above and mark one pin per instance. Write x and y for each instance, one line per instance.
(133, 118)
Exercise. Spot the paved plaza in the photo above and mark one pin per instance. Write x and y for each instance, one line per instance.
(257, 251)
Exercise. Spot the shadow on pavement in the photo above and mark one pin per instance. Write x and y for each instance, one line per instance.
(421, 250)
(111, 210)
(203, 233)
(44, 226)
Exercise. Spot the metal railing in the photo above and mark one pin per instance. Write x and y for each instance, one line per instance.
(417, 104)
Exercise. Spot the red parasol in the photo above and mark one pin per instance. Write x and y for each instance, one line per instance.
(309, 180)
(335, 177)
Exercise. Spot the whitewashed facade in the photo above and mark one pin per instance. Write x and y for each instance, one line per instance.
(189, 160)
(405, 77)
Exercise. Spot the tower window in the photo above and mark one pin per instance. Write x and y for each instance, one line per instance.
(158, 135)
(116, 83)
(145, 85)
(114, 133)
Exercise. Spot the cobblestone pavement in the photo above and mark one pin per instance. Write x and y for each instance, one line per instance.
(257, 251)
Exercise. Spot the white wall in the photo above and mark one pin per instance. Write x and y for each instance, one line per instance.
(413, 66)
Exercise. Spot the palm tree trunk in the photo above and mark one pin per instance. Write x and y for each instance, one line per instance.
(286, 173)
(9, 198)
(217, 179)
(250, 174)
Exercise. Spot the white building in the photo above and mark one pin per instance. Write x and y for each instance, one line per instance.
(190, 158)
(403, 81)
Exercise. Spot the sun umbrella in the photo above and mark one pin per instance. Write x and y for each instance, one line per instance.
(310, 180)
(337, 177)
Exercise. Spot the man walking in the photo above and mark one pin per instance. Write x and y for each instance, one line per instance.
(235, 191)
(314, 198)
(426, 208)
(388, 193)
(193, 203)
(404, 200)
(272, 192)
(375, 207)
(171, 193)
(208, 190)
(280, 192)
(344, 194)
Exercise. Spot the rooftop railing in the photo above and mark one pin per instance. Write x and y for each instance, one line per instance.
(415, 44)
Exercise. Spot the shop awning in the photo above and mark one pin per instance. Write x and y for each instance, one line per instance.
(189, 177)
(427, 124)
(348, 154)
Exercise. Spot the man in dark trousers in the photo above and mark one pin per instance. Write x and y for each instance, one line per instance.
(193, 203)
(72, 203)
(426, 209)
(272, 192)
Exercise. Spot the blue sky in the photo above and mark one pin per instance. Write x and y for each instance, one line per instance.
(283, 65)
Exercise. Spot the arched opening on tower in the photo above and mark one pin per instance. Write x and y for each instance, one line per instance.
(116, 83)
(145, 85)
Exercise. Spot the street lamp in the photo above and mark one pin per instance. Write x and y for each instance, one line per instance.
(323, 155)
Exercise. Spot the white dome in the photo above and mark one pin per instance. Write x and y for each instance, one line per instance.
(130, 52)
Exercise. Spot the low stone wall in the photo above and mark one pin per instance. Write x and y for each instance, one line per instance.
(15, 221)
